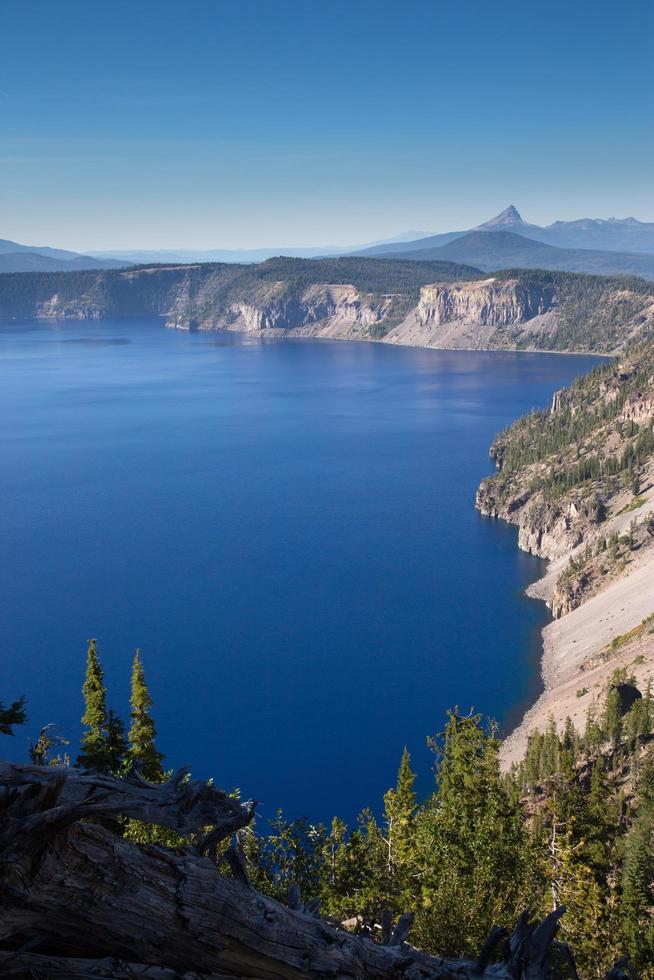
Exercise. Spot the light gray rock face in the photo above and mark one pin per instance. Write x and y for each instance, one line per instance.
(319, 306)
(486, 302)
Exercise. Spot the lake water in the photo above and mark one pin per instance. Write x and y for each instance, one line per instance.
(287, 531)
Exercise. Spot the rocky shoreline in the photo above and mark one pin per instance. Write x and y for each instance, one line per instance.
(419, 304)
(597, 534)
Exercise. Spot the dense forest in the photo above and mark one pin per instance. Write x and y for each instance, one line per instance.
(575, 441)
(571, 825)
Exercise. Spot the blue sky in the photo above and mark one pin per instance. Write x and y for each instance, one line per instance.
(201, 123)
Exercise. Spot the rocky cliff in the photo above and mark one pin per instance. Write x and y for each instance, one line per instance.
(488, 302)
(319, 309)
(428, 304)
(578, 482)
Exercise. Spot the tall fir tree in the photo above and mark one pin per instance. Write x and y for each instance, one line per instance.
(142, 733)
(116, 741)
(638, 872)
(472, 847)
(93, 750)
(10, 715)
(637, 875)
(399, 813)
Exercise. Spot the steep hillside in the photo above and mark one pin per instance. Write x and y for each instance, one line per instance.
(502, 249)
(578, 481)
(428, 304)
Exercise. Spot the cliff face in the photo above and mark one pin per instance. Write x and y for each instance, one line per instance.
(492, 314)
(314, 310)
(489, 302)
(418, 303)
(343, 311)
(578, 482)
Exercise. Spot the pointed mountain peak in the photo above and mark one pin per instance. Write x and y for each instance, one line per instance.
(509, 216)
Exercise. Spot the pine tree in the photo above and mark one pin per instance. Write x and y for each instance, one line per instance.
(551, 749)
(593, 737)
(638, 872)
(116, 742)
(142, 733)
(587, 925)
(473, 849)
(613, 723)
(93, 753)
(400, 807)
(637, 875)
(12, 715)
(399, 812)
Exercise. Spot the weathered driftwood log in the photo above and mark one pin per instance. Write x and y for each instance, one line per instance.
(181, 804)
(74, 896)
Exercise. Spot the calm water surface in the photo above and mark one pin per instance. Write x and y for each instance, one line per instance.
(286, 529)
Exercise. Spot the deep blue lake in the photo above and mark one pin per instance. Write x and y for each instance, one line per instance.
(287, 531)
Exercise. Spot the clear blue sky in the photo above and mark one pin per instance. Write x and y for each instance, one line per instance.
(202, 123)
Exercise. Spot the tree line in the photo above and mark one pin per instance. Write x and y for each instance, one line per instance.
(572, 824)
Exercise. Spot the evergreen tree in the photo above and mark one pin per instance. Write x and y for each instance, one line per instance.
(593, 737)
(638, 873)
(399, 812)
(588, 923)
(598, 825)
(473, 849)
(142, 733)
(93, 750)
(613, 721)
(13, 714)
(551, 750)
(637, 877)
(348, 872)
(116, 742)
(532, 763)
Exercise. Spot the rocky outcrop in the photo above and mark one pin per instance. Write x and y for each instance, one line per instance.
(640, 407)
(545, 529)
(57, 307)
(489, 302)
(560, 401)
(318, 306)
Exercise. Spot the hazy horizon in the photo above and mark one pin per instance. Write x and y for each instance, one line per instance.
(259, 125)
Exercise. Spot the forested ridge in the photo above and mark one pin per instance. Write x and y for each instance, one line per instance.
(573, 438)
(570, 826)
(583, 312)
(592, 311)
(149, 289)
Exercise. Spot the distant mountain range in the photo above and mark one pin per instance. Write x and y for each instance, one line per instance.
(608, 246)
(614, 245)
(494, 250)
(594, 245)
(15, 257)
(604, 234)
